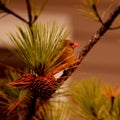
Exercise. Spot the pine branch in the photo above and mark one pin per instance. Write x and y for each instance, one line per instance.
(31, 18)
(86, 49)
(101, 31)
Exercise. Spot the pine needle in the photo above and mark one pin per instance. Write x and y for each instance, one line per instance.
(40, 46)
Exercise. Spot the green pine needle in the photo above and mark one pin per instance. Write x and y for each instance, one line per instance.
(88, 99)
(40, 46)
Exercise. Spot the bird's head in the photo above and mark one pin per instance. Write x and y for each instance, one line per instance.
(70, 43)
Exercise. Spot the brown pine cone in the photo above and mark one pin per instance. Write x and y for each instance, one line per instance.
(43, 87)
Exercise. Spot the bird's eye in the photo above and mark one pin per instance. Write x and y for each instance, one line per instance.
(71, 44)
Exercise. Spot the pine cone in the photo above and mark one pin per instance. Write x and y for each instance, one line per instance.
(43, 87)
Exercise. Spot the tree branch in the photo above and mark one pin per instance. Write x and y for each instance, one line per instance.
(86, 49)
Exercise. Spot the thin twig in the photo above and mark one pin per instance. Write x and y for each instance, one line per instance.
(29, 9)
(112, 104)
(7, 10)
(43, 4)
(95, 38)
(114, 28)
(4, 15)
(97, 14)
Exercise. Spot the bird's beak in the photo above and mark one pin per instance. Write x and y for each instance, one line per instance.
(75, 45)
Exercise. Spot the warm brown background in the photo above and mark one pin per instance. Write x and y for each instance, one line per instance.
(102, 62)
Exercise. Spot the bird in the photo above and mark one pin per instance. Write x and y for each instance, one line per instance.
(66, 59)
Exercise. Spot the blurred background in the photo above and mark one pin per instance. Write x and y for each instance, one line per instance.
(102, 62)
